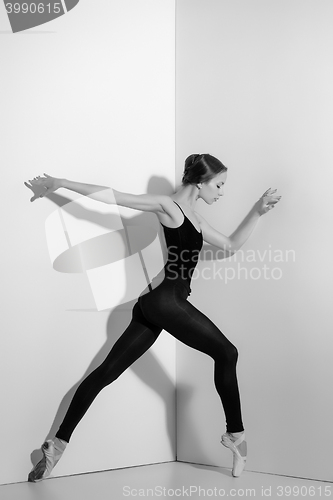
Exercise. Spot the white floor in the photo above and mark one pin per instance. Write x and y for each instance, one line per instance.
(166, 480)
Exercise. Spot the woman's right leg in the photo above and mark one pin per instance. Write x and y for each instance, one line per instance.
(133, 343)
(136, 339)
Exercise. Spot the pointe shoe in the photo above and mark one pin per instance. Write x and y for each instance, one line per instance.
(43, 469)
(239, 461)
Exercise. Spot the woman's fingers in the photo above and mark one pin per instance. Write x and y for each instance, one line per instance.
(268, 201)
(269, 192)
(36, 185)
(272, 202)
(272, 196)
(37, 181)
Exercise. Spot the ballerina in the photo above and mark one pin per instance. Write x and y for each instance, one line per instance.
(165, 307)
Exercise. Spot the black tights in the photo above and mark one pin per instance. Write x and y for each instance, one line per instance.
(166, 308)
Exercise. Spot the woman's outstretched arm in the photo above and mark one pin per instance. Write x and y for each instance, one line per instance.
(230, 244)
(144, 202)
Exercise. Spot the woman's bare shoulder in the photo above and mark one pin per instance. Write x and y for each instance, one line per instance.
(171, 215)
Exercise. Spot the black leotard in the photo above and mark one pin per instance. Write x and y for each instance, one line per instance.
(166, 307)
(184, 244)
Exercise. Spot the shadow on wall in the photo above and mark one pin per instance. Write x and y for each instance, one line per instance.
(148, 370)
(184, 395)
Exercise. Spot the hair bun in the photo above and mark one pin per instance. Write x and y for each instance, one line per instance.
(194, 158)
(190, 161)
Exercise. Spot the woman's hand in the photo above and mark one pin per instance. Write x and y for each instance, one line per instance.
(267, 201)
(42, 186)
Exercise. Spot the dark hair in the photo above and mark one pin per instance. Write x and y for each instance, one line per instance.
(201, 168)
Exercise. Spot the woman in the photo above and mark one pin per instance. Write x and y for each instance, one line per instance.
(165, 306)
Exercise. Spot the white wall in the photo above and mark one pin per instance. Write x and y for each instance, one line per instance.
(254, 88)
(89, 97)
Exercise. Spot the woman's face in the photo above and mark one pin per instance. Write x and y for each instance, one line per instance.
(213, 189)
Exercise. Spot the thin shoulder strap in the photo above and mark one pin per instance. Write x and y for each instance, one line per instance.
(179, 207)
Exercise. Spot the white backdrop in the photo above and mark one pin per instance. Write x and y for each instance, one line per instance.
(88, 97)
(254, 88)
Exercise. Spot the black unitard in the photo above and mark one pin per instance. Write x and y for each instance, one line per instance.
(166, 308)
